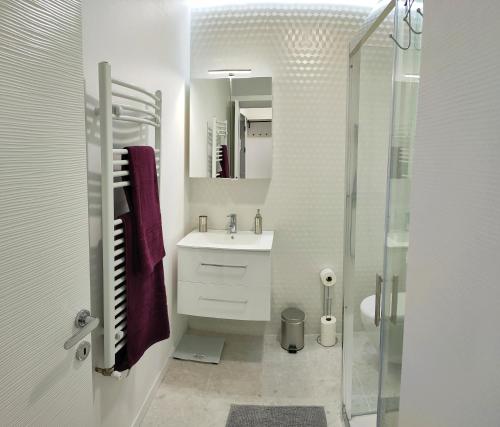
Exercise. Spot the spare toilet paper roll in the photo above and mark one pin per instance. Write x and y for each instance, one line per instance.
(328, 334)
(328, 277)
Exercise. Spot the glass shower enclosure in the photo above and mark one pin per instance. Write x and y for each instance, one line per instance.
(384, 67)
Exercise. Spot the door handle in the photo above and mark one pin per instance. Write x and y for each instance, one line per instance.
(378, 293)
(86, 323)
(394, 300)
(353, 193)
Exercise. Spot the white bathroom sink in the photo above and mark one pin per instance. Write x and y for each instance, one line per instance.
(221, 239)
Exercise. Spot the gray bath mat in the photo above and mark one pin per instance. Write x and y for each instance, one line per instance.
(276, 416)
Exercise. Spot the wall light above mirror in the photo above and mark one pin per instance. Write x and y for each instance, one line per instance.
(231, 126)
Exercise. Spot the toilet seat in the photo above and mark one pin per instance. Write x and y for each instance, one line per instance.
(367, 307)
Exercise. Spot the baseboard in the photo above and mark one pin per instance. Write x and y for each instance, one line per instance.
(150, 396)
(156, 384)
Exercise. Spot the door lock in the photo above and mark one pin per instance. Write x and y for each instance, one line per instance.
(83, 350)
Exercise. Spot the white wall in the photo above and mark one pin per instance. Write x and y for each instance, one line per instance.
(451, 371)
(304, 49)
(258, 157)
(147, 43)
(259, 149)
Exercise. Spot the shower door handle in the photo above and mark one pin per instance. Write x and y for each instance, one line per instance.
(394, 299)
(351, 195)
(378, 294)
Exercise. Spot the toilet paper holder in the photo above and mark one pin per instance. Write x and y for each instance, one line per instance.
(328, 279)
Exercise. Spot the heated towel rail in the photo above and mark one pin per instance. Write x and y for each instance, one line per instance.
(124, 102)
(216, 138)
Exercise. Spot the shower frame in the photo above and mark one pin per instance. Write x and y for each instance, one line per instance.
(372, 23)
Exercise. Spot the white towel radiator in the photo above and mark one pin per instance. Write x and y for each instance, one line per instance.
(135, 105)
(216, 138)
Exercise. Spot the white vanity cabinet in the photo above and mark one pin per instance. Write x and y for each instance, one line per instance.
(227, 276)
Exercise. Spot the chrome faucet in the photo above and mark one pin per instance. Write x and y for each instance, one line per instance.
(232, 228)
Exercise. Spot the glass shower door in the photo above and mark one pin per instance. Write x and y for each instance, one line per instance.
(370, 108)
(405, 96)
(383, 90)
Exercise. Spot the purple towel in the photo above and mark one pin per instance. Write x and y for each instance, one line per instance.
(144, 203)
(147, 315)
(224, 163)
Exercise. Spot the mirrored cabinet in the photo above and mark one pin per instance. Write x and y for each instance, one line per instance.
(231, 122)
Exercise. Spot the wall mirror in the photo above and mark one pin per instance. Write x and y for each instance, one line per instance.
(231, 128)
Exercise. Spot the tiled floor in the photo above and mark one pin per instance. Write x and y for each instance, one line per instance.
(364, 421)
(365, 376)
(253, 370)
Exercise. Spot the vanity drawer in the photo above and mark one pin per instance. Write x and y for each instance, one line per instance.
(224, 301)
(221, 267)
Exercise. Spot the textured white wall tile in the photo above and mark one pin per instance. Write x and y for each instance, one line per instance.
(305, 50)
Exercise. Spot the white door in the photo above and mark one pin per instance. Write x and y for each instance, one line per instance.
(44, 262)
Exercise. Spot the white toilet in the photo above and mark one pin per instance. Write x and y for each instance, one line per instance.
(367, 308)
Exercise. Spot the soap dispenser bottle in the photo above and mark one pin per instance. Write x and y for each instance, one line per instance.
(258, 222)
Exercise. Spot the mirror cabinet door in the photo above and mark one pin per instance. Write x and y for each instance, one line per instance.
(231, 128)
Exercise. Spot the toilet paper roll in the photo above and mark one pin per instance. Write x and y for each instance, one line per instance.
(328, 334)
(328, 277)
